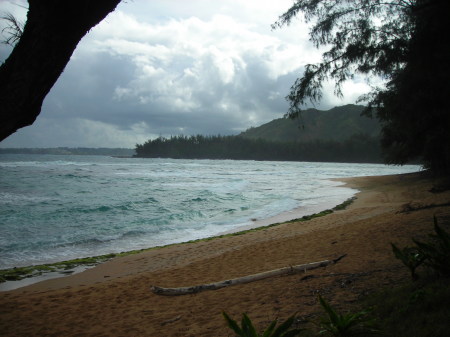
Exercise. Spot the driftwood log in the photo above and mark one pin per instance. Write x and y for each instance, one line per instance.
(244, 279)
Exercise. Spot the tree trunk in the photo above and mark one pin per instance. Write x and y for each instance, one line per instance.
(243, 279)
(51, 34)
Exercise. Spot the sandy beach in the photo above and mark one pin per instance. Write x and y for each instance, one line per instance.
(115, 299)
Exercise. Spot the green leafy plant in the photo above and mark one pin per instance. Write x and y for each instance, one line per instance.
(411, 257)
(412, 308)
(345, 325)
(247, 328)
(437, 253)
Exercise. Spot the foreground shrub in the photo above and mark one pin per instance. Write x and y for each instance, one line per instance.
(436, 253)
(247, 328)
(411, 257)
(345, 325)
(415, 309)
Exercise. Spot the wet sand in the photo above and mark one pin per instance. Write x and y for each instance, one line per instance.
(114, 298)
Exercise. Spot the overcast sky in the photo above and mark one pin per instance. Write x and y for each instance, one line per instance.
(170, 67)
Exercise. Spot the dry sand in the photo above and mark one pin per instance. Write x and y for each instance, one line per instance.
(114, 299)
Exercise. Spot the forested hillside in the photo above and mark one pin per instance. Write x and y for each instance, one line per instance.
(337, 124)
(337, 135)
(357, 149)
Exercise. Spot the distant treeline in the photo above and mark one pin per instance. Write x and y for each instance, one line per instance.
(86, 151)
(356, 149)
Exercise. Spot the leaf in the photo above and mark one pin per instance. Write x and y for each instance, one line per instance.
(292, 333)
(332, 315)
(396, 251)
(248, 330)
(270, 328)
(233, 324)
(442, 235)
(247, 327)
(284, 327)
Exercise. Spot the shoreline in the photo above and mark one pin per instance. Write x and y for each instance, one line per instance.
(123, 219)
(260, 224)
(114, 298)
(249, 221)
(297, 213)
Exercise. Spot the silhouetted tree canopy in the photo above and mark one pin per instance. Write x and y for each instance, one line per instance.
(51, 34)
(404, 42)
(356, 149)
(13, 30)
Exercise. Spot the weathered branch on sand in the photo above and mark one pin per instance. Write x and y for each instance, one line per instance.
(244, 279)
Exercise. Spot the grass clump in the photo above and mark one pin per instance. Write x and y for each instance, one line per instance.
(247, 329)
(345, 325)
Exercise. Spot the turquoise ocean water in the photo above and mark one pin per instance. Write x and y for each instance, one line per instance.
(55, 208)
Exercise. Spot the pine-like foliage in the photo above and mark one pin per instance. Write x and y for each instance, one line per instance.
(404, 42)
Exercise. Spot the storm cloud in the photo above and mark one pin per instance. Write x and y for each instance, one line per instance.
(161, 68)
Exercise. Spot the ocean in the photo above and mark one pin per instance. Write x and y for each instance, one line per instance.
(55, 208)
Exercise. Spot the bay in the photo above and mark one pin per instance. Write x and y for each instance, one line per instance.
(55, 207)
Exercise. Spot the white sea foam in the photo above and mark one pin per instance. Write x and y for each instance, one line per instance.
(55, 208)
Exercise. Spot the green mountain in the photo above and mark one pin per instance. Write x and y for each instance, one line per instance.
(336, 124)
(340, 134)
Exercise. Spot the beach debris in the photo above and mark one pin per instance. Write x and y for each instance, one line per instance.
(244, 279)
(171, 320)
(415, 206)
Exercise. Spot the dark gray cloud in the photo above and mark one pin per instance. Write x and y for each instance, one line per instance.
(166, 68)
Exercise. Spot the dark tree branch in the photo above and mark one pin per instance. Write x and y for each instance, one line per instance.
(51, 34)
